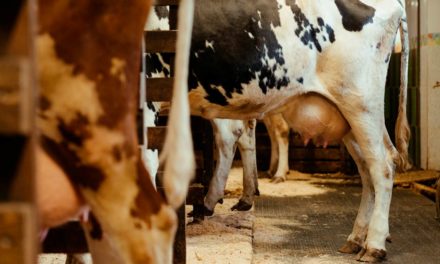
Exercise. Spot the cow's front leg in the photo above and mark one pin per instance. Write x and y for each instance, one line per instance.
(368, 131)
(226, 137)
(278, 131)
(356, 239)
(246, 145)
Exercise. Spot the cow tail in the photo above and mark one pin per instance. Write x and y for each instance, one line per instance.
(178, 152)
(402, 130)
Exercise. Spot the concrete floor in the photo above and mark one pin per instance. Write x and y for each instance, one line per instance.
(310, 228)
(304, 220)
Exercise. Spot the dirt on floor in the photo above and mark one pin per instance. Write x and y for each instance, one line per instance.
(226, 237)
(52, 258)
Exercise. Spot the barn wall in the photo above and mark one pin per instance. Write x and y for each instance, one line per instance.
(430, 83)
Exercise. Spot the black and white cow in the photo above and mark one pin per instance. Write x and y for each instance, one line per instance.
(324, 125)
(251, 57)
(228, 134)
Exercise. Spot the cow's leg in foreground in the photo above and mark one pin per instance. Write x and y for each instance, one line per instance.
(368, 129)
(373, 151)
(355, 241)
(88, 77)
(228, 135)
(377, 167)
(278, 131)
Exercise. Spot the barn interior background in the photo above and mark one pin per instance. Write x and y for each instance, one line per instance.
(17, 137)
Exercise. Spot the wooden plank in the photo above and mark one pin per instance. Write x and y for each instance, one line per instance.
(296, 154)
(317, 166)
(314, 154)
(415, 176)
(16, 97)
(423, 188)
(156, 137)
(17, 234)
(160, 41)
(294, 141)
(166, 2)
(179, 247)
(159, 89)
(311, 166)
(437, 200)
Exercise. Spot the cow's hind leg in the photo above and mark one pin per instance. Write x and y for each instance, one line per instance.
(368, 130)
(278, 131)
(246, 145)
(356, 239)
(226, 137)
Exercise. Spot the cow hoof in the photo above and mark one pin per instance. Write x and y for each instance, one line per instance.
(206, 212)
(350, 247)
(371, 255)
(241, 206)
(277, 179)
(257, 192)
(190, 214)
(389, 239)
(265, 175)
(196, 221)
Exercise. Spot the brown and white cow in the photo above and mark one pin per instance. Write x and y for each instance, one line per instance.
(88, 62)
(250, 58)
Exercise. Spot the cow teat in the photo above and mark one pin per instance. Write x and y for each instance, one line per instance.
(316, 118)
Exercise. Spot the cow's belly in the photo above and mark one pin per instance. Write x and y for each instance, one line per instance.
(248, 58)
(251, 103)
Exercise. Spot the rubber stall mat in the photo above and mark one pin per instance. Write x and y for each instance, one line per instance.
(311, 228)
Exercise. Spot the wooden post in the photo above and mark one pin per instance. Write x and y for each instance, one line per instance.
(179, 254)
(437, 200)
(18, 225)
